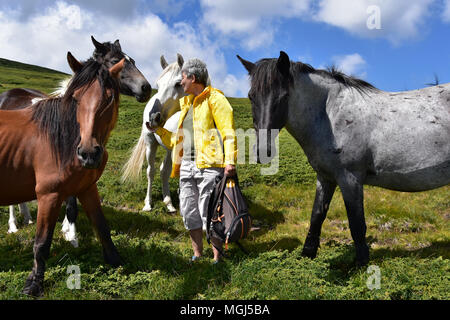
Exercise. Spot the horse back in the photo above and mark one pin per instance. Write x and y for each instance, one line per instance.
(404, 137)
(19, 98)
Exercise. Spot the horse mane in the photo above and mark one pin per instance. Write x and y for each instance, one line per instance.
(171, 67)
(265, 73)
(57, 116)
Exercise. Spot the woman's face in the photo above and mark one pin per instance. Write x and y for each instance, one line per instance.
(187, 83)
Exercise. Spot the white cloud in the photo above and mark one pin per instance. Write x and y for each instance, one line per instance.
(399, 20)
(352, 64)
(239, 86)
(446, 13)
(44, 39)
(251, 21)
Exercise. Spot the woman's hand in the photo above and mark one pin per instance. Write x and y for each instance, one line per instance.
(230, 170)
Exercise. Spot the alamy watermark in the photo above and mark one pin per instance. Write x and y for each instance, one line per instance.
(74, 279)
(263, 145)
(374, 20)
(374, 280)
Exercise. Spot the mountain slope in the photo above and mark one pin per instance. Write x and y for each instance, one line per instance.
(15, 74)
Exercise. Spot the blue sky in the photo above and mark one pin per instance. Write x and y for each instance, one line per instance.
(396, 45)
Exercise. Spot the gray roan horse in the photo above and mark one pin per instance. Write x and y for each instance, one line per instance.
(353, 134)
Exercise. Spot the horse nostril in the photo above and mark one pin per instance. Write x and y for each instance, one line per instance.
(81, 154)
(146, 87)
(98, 151)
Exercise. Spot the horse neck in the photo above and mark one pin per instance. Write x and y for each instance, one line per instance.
(307, 99)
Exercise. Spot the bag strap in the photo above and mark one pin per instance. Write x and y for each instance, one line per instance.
(219, 201)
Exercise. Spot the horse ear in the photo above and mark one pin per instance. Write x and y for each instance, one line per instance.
(247, 64)
(115, 69)
(163, 61)
(180, 60)
(99, 46)
(74, 64)
(117, 44)
(284, 64)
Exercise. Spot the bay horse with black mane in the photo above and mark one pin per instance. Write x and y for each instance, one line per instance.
(352, 134)
(131, 83)
(57, 148)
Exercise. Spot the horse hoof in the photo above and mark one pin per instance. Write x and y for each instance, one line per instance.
(362, 255)
(113, 260)
(74, 243)
(34, 289)
(12, 229)
(147, 208)
(309, 252)
(171, 209)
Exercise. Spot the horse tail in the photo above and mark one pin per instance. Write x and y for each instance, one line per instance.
(132, 169)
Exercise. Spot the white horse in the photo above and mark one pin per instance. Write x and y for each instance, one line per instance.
(167, 100)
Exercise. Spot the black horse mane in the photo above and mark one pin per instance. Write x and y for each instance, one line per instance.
(265, 73)
(57, 117)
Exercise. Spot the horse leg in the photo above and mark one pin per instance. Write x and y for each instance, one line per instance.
(166, 168)
(68, 227)
(48, 210)
(12, 223)
(324, 193)
(23, 208)
(150, 154)
(353, 193)
(90, 200)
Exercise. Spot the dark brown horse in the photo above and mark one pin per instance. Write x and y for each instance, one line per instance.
(131, 83)
(56, 148)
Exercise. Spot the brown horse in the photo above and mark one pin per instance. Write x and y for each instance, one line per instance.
(131, 83)
(56, 148)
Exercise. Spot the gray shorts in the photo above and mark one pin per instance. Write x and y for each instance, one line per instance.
(196, 186)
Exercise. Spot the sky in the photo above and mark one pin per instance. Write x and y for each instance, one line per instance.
(396, 45)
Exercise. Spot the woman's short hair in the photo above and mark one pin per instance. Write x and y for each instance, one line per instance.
(196, 67)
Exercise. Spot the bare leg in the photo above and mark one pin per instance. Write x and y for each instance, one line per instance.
(197, 241)
(216, 244)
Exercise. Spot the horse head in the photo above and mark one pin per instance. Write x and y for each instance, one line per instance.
(97, 108)
(132, 82)
(269, 96)
(166, 101)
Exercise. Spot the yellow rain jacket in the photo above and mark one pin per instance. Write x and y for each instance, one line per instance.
(214, 132)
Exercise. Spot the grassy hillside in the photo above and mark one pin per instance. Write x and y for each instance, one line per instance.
(409, 234)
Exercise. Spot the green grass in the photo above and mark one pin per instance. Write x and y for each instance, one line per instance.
(408, 233)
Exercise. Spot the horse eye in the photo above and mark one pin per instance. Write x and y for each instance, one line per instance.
(178, 84)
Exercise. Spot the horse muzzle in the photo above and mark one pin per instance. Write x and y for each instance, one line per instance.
(154, 121)
(90, 158)
(146, 92)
